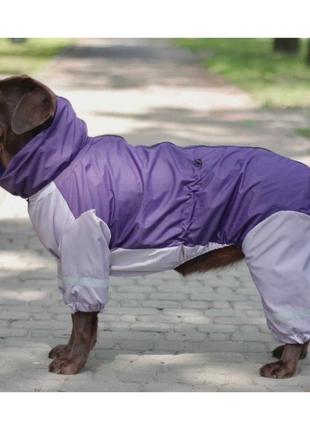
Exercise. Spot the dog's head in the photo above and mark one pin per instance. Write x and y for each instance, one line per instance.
(26, 107)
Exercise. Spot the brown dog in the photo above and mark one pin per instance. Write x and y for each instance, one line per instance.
(26, 108)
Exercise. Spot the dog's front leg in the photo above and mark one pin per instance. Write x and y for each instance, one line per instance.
(62, 350)
(84, 335)
(287, 365)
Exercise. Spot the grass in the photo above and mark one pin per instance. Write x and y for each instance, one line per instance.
(273, 79)
(29, 57)
(304, 132)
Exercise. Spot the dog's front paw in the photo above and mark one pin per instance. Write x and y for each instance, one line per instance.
(277, 370)
(59, 351)
(65, 366)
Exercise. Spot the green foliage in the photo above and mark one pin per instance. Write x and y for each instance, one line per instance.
(30, 56)
(273, 79)
(304, 132)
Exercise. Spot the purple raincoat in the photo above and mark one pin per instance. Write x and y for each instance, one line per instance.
(104, 207)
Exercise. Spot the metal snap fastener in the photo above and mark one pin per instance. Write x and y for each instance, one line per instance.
(197, 162)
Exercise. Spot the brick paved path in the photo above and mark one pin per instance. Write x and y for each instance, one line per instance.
(159, 333)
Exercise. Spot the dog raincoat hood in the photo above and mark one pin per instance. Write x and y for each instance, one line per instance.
(42, 159)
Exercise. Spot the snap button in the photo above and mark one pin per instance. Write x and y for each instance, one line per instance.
(197, 162)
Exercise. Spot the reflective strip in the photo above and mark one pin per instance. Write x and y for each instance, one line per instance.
(71, 281)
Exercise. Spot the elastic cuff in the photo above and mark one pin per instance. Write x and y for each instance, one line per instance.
(84, 307)
(297, 338)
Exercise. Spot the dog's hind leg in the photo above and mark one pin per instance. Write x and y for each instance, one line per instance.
(278, 351)
(211, 260)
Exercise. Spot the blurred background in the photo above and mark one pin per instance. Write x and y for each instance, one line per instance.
(191, 91)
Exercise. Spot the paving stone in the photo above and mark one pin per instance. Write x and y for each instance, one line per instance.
(221, 305)
(190, 304)
(191, 336)
(127, 296)
(39, 324)
(247, 305)
(10, 315)
(217, 328)
(134, 289)
(160, 304)
(222, 312)
(219, 336)
(12, 332)
(132, 311)
(217, 297)
(4, 323)
(240, 320)
(255, 337)
(130, 334)
(168, 296)
(148, 326)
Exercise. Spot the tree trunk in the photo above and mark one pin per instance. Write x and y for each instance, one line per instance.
(308, 53)
(287, 46)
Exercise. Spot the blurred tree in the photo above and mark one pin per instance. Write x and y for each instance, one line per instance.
(18, 39)
(288, 46)
(308, 53)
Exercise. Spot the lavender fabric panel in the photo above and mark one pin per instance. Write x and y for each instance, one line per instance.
(84, 263)
(278, 255)
(83, 249)
(47, 154)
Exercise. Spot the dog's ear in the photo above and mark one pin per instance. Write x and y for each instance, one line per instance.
(35, 107)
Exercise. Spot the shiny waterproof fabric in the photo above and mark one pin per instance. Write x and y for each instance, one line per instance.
(161, 195)
(104, 207)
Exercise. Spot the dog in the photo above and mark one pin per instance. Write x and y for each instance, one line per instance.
(104, 207)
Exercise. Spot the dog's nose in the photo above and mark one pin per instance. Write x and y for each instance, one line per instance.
(197, 162)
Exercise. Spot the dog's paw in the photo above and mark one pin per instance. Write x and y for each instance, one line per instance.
(277, 370)
(65, 366)
(59, 351)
